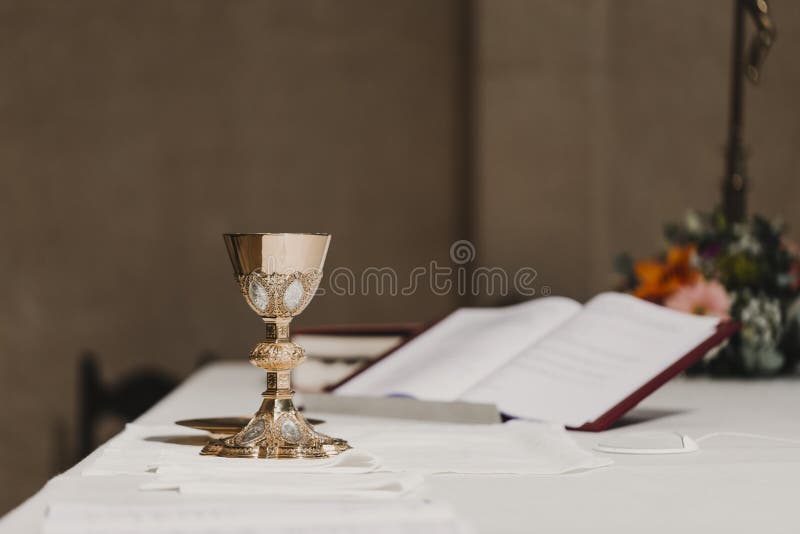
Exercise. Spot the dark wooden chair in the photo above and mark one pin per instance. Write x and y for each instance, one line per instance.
(127, 399)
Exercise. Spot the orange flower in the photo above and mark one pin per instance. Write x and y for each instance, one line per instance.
(658, 280)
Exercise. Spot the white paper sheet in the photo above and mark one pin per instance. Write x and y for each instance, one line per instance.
(338, 347)
(263, 516)
(515, 447)
(288, 485)
(380, 445)
(142, 449)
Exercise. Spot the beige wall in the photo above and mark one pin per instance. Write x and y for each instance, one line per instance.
(599, 121)
(132, 134)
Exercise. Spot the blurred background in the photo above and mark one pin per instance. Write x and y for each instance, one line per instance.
(551, 134)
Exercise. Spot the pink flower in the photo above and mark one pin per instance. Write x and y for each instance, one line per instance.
(794, 274)
(701, 298)
(790, 246)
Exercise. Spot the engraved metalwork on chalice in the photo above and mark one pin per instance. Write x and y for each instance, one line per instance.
(278, 275)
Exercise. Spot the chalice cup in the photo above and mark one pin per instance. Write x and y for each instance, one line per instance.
(278, 275)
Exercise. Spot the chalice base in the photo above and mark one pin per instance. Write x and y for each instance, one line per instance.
(278, 431)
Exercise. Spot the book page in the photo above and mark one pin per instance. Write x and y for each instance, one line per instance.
(461, 350)
(593, 361)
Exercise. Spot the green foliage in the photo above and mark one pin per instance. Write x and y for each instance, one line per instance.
(623, 265)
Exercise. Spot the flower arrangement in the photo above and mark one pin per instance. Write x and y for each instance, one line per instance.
(747, 271)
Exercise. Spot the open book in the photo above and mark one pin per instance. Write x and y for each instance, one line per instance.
(550, 359)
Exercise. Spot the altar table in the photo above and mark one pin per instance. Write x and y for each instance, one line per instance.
(733, 484)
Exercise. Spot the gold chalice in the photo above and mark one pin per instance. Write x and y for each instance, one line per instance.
(278, 275)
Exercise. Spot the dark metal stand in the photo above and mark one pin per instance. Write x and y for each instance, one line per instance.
(734, 186)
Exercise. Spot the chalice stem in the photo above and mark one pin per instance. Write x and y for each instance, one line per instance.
(277, 275)
(277, 430)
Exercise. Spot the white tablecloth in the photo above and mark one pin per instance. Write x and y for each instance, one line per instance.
(730, 485)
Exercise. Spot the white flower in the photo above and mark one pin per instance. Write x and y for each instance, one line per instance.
(694, 223)
(746, 243)
(761, 319)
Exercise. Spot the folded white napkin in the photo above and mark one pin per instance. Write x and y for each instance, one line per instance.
(332, 486)
(142, 449)
(267, 516)
(348, 462)
(515, 447)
